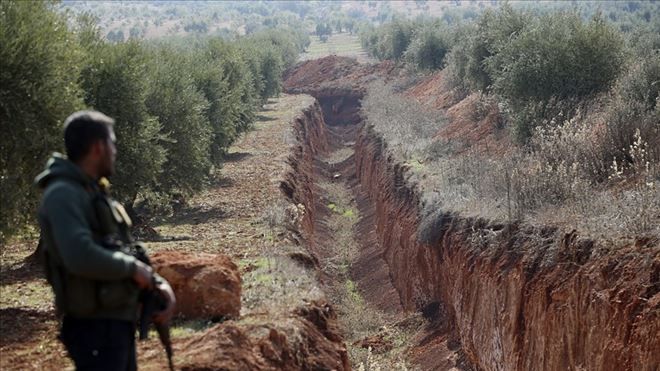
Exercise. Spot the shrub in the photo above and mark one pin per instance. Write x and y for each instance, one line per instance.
(389, 41)
(558, 56)
(635, 108)
(213, 69)
(552, 66)
(181, 109)
(428, 49)
(494, 30)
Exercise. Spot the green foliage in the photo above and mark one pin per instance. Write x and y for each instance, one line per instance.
(181, 108)
(494, 30)
(114, 81)
(227, 84)
(323, 31)
(39, 66)
(559, 55)
(428, 48)
(389, 41)
(178, 104)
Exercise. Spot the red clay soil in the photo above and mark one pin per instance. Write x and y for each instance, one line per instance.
(333, 74)
(205, 285)
(473, 122)
(432, 92)
(307, 339)
(520, 298)
(510, 296)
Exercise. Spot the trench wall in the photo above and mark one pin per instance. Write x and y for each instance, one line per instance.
(521, 297)
(518, 297)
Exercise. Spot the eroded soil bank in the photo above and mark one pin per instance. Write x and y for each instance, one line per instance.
(509, 296)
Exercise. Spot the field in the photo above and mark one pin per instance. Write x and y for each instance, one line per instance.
(342, 44)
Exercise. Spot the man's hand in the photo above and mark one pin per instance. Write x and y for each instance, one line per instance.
(143, 275)
(166, 314)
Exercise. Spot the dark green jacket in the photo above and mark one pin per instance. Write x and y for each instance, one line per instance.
(89, 281)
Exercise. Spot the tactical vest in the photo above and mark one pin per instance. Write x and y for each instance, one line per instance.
(86, 298)
(112, 225)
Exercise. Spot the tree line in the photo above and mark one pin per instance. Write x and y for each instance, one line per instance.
(178, 104)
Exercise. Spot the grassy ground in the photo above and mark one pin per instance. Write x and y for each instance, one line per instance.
(375, 340)
(342, 44)
(234, 216)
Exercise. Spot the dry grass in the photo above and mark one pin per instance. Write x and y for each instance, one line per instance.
(358, 319)
(561, 178)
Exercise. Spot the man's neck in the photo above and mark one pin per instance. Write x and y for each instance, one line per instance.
(88, 168)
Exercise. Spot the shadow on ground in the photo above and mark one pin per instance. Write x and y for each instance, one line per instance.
(198, 215)
(262, 118)
(223, 182)
(21, 324)
(236, 156)
(28, 270)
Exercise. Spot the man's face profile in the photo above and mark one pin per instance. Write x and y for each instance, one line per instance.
(108, 155)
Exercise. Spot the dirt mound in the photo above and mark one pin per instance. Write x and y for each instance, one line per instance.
(335, 75)
(475, 123)
(206, 285)
(432, 91)
(308, 339)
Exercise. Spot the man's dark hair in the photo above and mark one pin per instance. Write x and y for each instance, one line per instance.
(82, 129)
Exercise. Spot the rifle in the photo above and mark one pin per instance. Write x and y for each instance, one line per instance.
(153, 302)
(114, 224)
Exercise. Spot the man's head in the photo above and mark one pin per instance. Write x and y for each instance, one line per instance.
(90, 142)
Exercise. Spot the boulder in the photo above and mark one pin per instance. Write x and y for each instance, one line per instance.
(205, 285)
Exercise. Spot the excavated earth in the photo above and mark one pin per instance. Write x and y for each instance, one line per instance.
(493, 296)
(502, 296)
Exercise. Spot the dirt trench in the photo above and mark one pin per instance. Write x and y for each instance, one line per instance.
(493, 296)
(340, 231)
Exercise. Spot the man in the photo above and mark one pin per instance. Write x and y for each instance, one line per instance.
(97, 287)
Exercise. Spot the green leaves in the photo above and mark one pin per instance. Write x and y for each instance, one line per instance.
(115, 83)
(39, 67)
(178, 106)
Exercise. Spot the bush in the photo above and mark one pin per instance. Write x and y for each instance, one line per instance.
(635, 108)
(428, 48)
(389, 41)
(557, 56)
(476, 44)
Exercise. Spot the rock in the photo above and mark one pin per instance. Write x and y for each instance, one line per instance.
(205, 285)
